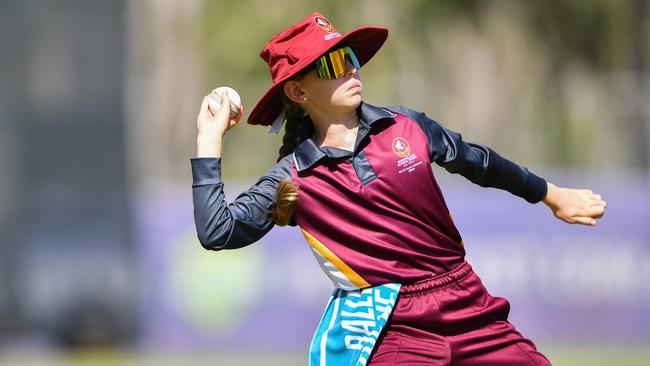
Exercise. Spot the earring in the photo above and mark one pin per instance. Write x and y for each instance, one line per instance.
(304, 99)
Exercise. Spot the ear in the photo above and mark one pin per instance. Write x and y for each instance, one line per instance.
(294, 91)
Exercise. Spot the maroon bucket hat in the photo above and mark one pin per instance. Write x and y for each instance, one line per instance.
(297, 47)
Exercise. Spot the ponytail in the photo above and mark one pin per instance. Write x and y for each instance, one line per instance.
(286, 199)
(287, 193)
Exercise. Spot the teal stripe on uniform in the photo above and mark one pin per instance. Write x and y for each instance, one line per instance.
(351, 324)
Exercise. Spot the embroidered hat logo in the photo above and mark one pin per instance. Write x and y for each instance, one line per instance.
(401, 147)
(325, 24)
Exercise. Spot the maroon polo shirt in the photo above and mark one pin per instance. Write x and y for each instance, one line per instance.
(373, 215)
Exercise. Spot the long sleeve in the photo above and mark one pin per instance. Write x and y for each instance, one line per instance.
(479, 164)
(222, 225)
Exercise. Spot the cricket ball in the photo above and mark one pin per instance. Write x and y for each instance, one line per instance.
(235, 100)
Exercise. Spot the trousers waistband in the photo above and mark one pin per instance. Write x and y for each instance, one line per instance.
(437, 281)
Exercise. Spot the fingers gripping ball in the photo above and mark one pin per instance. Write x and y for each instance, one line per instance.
(235, 100)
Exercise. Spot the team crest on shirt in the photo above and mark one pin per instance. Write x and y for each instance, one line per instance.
(408, 161)
(401, 147)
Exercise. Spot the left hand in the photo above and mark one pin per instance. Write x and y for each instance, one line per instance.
(575, 206)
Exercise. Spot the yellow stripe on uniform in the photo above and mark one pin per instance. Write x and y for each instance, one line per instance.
(336, 261)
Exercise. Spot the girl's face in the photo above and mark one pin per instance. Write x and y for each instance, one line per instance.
(333, 96)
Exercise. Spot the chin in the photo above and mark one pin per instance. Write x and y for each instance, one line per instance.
(354, 101)
(347, 103)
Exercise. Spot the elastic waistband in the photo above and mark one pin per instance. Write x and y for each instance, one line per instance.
(437, 281)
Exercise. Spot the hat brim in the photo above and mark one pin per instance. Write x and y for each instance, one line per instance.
(366, 40)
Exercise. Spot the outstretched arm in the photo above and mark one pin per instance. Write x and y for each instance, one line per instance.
(575, 206)
(485, 167)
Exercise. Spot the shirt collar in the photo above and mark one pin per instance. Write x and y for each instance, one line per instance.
(307, 153)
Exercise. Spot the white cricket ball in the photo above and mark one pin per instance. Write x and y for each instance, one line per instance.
(235, 99)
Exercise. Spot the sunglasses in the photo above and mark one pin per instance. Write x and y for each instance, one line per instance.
(332, 65)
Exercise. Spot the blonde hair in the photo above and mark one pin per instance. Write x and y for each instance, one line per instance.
(286, 199)
(287, 192)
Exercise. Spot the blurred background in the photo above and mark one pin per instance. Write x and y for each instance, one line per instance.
(99, 261)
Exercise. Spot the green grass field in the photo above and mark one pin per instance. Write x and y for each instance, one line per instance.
(562, 356)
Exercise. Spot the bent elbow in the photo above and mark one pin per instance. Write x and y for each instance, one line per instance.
(212, 242)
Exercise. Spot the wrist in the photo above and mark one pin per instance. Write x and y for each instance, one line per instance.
(209, 135)
(551, 193)
(208, 146)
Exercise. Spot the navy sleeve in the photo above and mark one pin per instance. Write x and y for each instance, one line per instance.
(222, 225)
(478, 163)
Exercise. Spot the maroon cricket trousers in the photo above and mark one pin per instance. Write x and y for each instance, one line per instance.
(451, 319)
